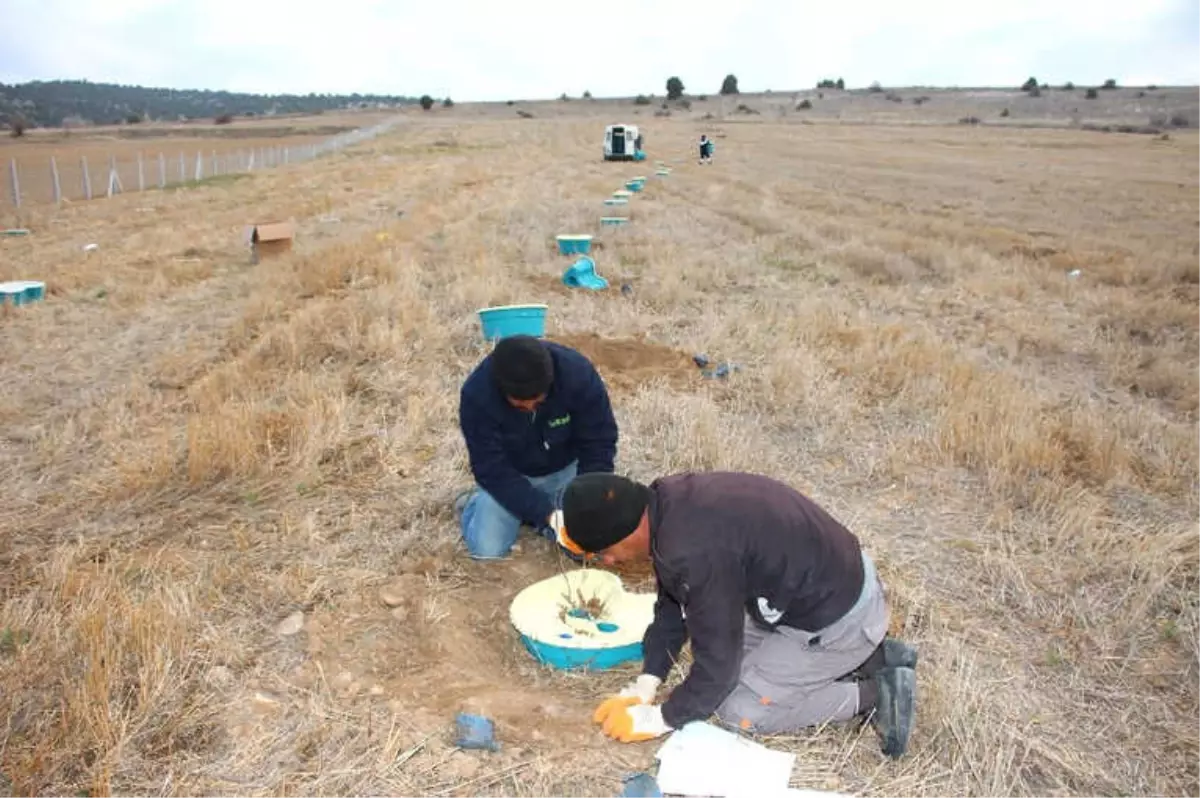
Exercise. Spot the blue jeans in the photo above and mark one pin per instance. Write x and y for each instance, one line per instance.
(490, 531)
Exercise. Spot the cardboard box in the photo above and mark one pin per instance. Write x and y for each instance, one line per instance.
(271, 238)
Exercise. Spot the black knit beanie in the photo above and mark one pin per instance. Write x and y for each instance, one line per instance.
(600, 510)
(522, 367)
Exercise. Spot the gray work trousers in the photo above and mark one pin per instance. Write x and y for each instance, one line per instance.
(789, 678)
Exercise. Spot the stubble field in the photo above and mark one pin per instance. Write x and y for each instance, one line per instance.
(168, 151)
(976, 346)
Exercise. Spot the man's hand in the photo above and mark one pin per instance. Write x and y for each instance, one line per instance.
(559, 528)
(644, 687)
(634, 722)
(631, 716)
(640, 691)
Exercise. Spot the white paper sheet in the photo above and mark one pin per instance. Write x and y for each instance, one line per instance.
(703, 760)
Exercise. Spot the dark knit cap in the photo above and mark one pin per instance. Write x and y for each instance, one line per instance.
(522, 367)
(600, 510)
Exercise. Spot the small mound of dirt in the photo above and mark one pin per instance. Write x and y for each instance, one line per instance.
(625, 363)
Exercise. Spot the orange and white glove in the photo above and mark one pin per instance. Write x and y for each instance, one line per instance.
(556, 523)
(630, 715)
(640, 691)
(644, 687)
(632, 721)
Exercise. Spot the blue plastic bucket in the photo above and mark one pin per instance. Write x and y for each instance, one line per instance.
(505, 320)
(596, 659)
(34, 290)
(21, 292)
(574, 245)
(639, 155)
(582, 274)
(612, 221)
(616, 201)
(634, 185)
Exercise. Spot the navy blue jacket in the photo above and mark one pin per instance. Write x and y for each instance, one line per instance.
(574, 423)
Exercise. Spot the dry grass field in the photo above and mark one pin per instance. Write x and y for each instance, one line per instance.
(194, 449)
(124, 143)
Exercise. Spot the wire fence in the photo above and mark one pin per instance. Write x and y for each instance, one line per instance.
(71, 179)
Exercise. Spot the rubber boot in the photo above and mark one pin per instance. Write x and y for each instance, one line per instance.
(898, 654)
(891, 653)
(895, 709)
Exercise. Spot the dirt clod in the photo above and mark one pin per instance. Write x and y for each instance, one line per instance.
(403, 589)
(219, 676)
(291, 625)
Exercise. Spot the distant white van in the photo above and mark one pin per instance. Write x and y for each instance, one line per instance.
(621, 142)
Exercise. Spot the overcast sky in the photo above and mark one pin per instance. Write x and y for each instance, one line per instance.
(513, 49)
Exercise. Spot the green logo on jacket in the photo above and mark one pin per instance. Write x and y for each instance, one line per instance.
(561, 421)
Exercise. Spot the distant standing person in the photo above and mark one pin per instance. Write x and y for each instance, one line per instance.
(786, 614)
(706, 149)
(533, 414)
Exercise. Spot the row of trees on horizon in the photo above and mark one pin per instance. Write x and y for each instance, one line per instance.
(68, 103)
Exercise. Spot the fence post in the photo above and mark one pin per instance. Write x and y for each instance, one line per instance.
(141, 174)
(16, 182)
(55, 180)
(162, 171)
(199, 166)
(114, 180)
(87, 177)
(212, 162)
(182, 174)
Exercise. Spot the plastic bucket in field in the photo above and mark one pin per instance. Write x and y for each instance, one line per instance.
(582, 274)
(21, 292)
(558, 634)
(622, 194)
(635, 185)
(574, 244)
(613, 221)
(639, 156)
(616, 201)
(505, 320)
(663, 172)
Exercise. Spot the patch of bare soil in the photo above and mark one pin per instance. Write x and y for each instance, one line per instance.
(627, 363)
(433, 641)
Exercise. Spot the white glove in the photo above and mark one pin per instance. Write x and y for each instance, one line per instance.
(644, 687)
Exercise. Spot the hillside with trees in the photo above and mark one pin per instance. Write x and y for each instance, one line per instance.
(51, 103)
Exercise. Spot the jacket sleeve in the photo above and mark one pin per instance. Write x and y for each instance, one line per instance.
(493, 471)
(594, 427)
(716, 625)
(664, 636)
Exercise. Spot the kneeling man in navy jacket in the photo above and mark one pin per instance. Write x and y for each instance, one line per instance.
(533, 414)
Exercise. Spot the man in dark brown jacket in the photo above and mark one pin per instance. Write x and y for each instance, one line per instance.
(786, 615)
